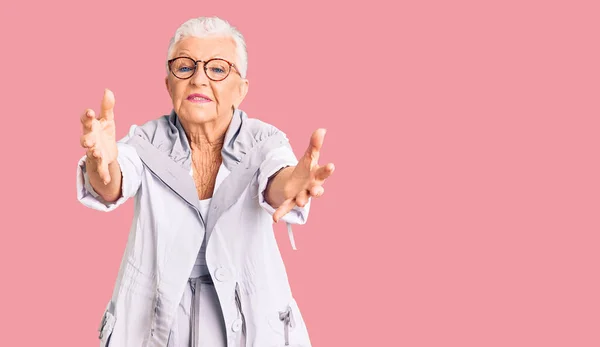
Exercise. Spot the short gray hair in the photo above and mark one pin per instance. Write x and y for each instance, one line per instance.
(212, 26)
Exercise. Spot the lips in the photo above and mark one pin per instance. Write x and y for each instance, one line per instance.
(200, 98)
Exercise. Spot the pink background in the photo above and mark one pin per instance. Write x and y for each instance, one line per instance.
(464, 210)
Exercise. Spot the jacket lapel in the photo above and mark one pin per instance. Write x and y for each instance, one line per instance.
(168, 171)
(238, 180)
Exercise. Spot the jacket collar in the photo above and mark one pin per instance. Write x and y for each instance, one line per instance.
(176, 145)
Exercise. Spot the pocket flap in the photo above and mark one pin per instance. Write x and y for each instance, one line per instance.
(286, 316)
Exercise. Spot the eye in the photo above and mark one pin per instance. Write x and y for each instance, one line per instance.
(217, 70)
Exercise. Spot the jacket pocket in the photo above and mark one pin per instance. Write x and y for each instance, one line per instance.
(288, 326)
(284, 322)
(106, 328)
(287, 319)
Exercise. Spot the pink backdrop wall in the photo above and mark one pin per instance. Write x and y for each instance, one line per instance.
(464, 206)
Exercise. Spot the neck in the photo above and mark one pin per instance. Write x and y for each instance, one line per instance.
(208, 136)
(206, 141)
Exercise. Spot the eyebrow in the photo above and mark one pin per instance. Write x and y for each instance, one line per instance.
(186, 54)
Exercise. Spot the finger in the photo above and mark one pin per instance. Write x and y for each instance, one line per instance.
(88, 140)
(86, 119)
(103, 171)
(316, 142)
(302, 198)
(317, 191)
(92, 129)
(324, 172)
(94, 154)
(94, 160)
(107, 106)
(286, 207)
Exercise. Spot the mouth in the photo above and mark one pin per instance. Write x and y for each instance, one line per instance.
(198, 98)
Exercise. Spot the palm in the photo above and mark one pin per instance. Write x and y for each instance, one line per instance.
(107, 143)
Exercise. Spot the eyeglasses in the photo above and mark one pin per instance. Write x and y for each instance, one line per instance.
(216, 69)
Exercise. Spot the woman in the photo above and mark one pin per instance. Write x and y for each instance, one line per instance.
(201, 266)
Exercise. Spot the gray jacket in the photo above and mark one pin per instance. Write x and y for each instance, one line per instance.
(167, 231)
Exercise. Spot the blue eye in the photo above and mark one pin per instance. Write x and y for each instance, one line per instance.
(185, 69)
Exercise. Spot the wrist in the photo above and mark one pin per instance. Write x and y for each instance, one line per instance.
(278, 187)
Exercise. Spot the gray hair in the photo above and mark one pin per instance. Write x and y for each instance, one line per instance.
(212, 26)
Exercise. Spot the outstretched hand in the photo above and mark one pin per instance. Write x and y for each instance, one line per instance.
(98, 137)
(307, 178)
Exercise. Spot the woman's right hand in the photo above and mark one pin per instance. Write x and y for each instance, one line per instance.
(99, 140)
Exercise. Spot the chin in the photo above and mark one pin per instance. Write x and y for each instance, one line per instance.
(197, 115)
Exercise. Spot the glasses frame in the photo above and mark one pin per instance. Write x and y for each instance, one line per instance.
(204, 63)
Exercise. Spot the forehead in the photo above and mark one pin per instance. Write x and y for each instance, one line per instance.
(206, 47)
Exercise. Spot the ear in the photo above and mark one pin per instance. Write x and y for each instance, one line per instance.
(242, 91)
(167, 85)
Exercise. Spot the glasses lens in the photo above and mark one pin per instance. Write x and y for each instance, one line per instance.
(183, 67)
(217, 69)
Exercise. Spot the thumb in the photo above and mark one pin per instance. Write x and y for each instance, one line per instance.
(107, 106)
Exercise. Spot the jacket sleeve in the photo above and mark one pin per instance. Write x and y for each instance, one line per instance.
(275, 160)
(131, 170)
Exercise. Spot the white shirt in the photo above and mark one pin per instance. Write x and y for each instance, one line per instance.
(200, 267)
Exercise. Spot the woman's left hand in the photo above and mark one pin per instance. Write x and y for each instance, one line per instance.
(307, 178)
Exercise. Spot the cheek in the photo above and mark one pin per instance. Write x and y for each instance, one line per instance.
(172, 89)
(224, 95)
(178, 94)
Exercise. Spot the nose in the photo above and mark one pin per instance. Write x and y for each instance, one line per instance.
(200, 77)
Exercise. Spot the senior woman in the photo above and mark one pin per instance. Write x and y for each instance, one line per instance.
(201, 266)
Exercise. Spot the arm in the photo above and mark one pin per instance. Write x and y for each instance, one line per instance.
(110, 172)
(110, 192)
(291, 188)
(277, 161)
